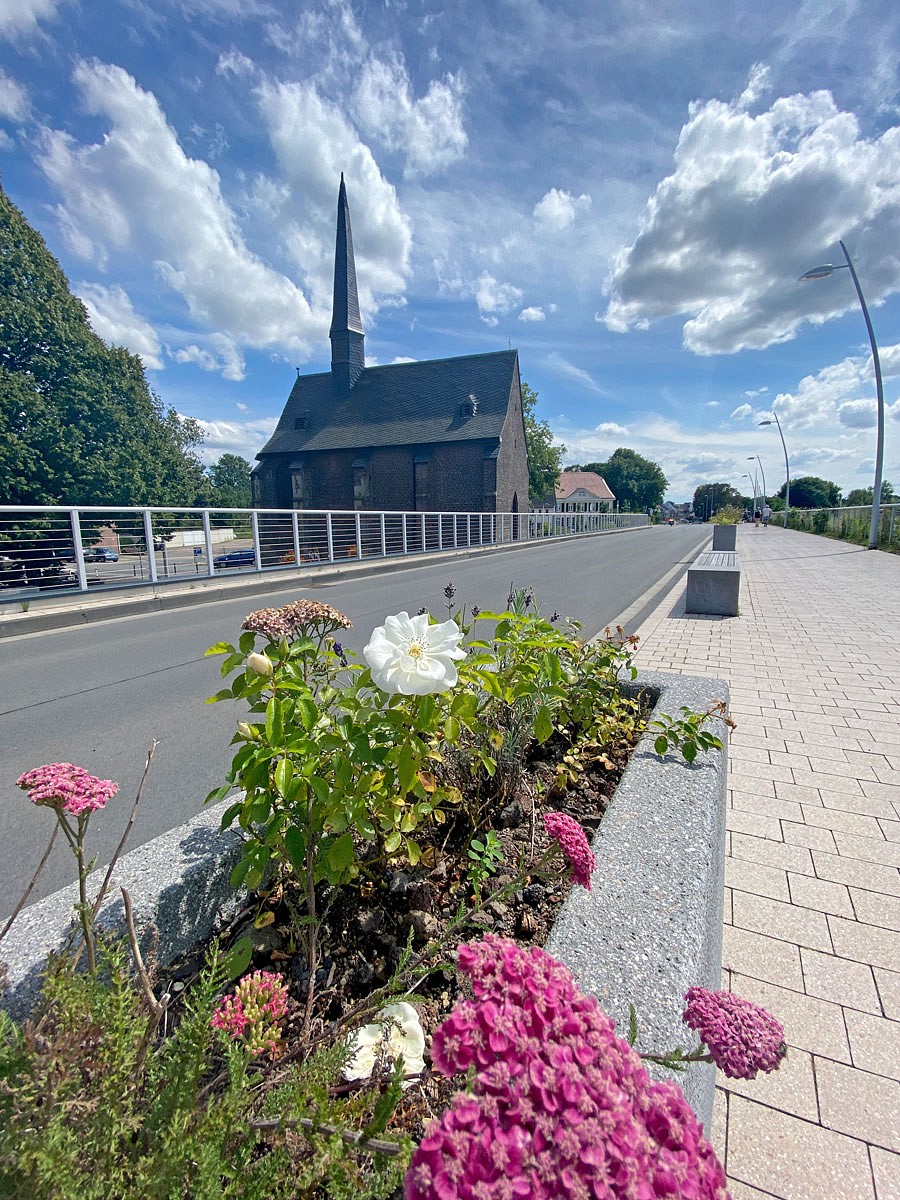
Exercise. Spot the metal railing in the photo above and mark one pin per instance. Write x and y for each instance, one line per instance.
(74, 549)
(849, 524)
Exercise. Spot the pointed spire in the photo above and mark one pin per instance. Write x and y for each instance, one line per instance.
(347, 335)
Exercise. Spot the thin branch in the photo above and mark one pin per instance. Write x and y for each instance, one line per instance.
(34, 879)
(350, 1136)
(124, 838)
(146, 987)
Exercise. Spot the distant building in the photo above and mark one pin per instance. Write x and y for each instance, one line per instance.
(444, 435)
(579, 491)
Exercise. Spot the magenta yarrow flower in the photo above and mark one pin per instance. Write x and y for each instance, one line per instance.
(67, 788)
(574, 844)
(558, 1105)
(251, 1014)
(742, 1038)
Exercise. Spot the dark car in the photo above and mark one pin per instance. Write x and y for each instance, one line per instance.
(100, 554)
(236, 558)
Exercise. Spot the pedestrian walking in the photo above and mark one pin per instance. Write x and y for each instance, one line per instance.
(766, 514)
(757, 516)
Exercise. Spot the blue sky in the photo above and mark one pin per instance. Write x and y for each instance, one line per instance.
(625, 192)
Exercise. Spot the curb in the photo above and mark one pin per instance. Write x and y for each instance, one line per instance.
(650, 928)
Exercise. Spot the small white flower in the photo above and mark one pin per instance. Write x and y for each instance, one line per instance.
(259, 664)
(397, 1030)
(409, 656)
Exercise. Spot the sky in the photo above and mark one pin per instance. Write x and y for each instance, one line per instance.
(624, 192)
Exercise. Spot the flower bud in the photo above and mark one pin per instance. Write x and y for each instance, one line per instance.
(259, 664)
(246, 731)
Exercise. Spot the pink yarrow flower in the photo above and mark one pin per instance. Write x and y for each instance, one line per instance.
(742, 1038)
(251, 1014)
(574, 844)
(558, 1105)
(67, 788)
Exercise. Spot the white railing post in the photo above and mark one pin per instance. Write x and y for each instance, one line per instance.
(295, 529)
(440, 518)
(79, 550)
(148, 539)
(405, 542)
(383, 539)
(423, 533)
(329, 532)
(207, 537)
(254, 525)
(359, 552)
(455, 531)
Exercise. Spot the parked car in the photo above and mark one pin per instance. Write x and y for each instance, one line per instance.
(100, 554)
(236, 558)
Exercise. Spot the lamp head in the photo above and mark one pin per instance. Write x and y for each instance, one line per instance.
(821, 272)
(766, 422)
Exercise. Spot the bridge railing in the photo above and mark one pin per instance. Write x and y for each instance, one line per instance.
(81, 549)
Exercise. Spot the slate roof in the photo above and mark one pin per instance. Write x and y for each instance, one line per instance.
(571, 481)
(416, 403)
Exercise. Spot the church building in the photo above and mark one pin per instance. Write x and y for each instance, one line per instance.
(445, 435)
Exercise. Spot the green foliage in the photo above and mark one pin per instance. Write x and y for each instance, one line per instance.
(864, 495)
(544, 455)
(78, 424)
(230, 479)
(686, 732)
(710, 497)
(485, 854)
(809, 491)
(637, 483)
(820, 522)
(729, 515)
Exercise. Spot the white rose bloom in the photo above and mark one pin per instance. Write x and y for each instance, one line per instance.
(409, 656)
(259, 664)
(396, 1028)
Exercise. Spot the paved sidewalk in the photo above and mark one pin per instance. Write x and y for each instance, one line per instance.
(812, 898)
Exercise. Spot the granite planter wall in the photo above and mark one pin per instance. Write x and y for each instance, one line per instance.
(650, 927)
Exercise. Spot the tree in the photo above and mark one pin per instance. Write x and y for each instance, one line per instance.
(809, 491)
(544, 455)
(230, 478)
(710, 497)
(637, 483)
(864, 495)
(78, 423)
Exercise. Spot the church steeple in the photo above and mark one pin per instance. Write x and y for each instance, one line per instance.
(348, 356)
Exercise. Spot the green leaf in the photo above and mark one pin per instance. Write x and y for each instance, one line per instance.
(321, 787)
(451, 730)
(307, 711)
(246, 642)
(219, 648)
(274, 722)
(284, 773)
(225, 694)
(689, 750)
(295, 844)
(392, 841)
(413, 851)
(661, 744)
(407, 765)
(237, 960)
(543, 724)
(230, 813)
(340, 854)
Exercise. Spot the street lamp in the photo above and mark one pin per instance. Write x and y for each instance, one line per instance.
(762, 472)
(787, 469)
(752, 478)
(822, 272)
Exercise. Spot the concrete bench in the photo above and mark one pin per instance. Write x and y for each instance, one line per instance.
(714, 584)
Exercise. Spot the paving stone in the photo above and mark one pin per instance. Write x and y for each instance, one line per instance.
(890, 828)
(741, 1191)
(846, 822)
(838, 979)
(876, 909)
(718, 1130)
(746, 876)
(874, 1043)
(857, 1103)
(774, 854)
(820, 894)
(738, 821)
(886, 1169)
(811, 836)
(888, 984)
(867, 806)
(767, 806)
(762, 957)
(866, 849)
(809, 1023)
(861, 874)
(785, 921)
(865, 943)
(791, 1089)
(794, 1159)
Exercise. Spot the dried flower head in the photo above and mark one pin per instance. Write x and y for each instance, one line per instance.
(573, 842)
(251, 1014)
(291, 620)
(67, 788)
(449, 591)
(558, 1105)
(742, 1038)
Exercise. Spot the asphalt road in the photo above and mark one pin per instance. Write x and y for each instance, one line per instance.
(97, 695)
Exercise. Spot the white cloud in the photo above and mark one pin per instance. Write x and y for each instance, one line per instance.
(712, 404)
(495, 299)
(14, 103)
(244, 408)
(136, 190)
(753, 393)
(752, 202)
(841, 392)
(429, 131)
(218, 353)
(246, 438)
(858, 414)
(532, 314)
(562, 366)
(611, 429)
(402, 358)
(235, 63)
(113, 318)
(558, 209)
(22, 16)
(743, 410)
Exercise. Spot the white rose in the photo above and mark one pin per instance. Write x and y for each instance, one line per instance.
(259, 664)
(409, 656)
(395, 1031)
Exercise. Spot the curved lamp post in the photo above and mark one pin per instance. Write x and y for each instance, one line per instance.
(787, 468)
(823, 272)
(755, 457)
(752, 478)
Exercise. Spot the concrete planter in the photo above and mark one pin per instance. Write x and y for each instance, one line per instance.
(651, 927)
